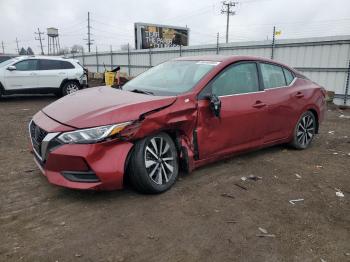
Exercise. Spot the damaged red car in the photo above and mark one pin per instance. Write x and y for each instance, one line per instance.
(181, 114)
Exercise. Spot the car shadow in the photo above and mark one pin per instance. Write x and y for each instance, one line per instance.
(129, 192)
(18, 98)
(92, 196)
(249, 155)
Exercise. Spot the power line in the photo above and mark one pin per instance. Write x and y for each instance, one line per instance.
(40, 39)
(226, 9)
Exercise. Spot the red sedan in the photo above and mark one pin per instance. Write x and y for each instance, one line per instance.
(180, 114)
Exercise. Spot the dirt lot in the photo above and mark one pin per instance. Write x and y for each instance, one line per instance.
(194, 221)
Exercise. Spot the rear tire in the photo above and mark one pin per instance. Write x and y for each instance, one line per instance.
(1, 91)
(70, 87)
(304, 131)
(154, 164)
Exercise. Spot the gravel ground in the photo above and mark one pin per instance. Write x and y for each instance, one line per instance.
(204, 217)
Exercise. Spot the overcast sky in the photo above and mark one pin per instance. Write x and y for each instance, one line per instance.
(112, 20)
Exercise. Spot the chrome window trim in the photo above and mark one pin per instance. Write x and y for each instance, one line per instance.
(291, 83)
(244, 93)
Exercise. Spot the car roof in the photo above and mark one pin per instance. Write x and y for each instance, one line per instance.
(231, 59)
(45, 57)
(223, 58)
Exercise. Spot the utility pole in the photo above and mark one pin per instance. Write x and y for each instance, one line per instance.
(273, 42)
(217, 43)
(40, 39)
(3, 47)
(89, 41)
(17, 45)
(227, 9)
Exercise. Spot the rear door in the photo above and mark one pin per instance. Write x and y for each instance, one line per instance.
(52, 73)
(24, 77)
(278, 84)
(243, 112)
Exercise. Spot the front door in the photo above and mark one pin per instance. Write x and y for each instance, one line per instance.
(241, 124)
(24, 77)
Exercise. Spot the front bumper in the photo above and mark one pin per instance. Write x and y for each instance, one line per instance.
(84, 81)
(98, 166)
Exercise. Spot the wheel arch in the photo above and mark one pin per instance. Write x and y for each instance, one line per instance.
(315, 113)
(182, 150)
(66, 80)
(183, 154)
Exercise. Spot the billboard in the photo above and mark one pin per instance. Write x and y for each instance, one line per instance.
(159, 36)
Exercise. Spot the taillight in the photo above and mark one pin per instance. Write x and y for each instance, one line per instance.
(324, 91)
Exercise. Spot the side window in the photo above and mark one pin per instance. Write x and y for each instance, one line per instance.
(47, 64)
(237, 79)
(289, 76)
(272, 76)
(66, 65)
(27, 65)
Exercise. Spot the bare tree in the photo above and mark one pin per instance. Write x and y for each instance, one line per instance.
(77, 49)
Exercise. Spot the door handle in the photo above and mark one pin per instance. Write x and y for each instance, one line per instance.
(61, 73)
(259, 104)
(299, 95)
(33, 74)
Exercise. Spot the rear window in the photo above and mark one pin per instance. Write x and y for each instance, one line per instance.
(66, 65)
(47, 64)
(289, 76)
(273, 76)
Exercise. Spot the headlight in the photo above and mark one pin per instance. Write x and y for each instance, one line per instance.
(92, 135)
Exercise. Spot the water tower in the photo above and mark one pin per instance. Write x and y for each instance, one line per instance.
(53, 44)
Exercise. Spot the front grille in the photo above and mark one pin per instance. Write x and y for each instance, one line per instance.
(37, 135)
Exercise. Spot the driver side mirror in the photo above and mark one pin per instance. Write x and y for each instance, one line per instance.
(11, 68)
(215, 104)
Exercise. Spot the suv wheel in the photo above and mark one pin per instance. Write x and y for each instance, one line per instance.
(154, 164)
(304, 131)
(1, 91)
(70, 87)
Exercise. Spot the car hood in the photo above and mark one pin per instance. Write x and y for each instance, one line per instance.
(103, 106)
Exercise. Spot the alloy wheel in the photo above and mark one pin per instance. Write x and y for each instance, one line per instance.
(159, 160)
(306, 130)
(71, 88)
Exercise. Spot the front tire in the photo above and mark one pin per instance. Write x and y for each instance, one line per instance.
(70, 87)
(304, 131)
(154, 164)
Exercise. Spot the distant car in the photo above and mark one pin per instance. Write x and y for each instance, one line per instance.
(40, 74)
(183, 113)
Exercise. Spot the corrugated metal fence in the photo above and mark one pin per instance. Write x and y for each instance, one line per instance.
(325, 60)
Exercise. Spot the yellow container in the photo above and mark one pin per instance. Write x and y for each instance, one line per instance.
(109, 78)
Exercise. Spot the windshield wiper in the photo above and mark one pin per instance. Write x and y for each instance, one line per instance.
(142, 92)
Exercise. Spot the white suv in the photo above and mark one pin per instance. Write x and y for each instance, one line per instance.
(41, 74)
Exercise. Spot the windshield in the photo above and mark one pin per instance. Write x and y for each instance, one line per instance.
(7, 62)
(170, 78)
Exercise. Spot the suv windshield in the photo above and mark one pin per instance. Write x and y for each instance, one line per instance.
(170, 78)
